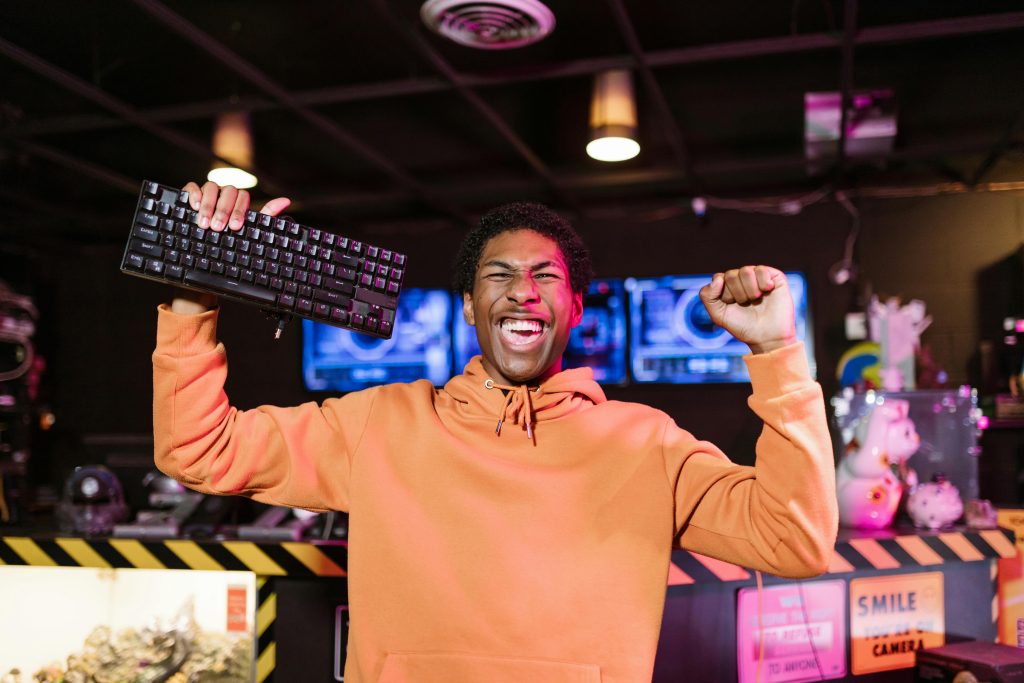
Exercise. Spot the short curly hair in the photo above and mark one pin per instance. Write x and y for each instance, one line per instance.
(523, 216)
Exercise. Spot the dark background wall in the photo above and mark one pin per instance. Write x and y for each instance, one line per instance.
(97, 325)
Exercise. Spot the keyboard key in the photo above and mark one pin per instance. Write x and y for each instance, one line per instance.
(371, 297)
(369, 266)
(339, 316)
(341, 286)
(245, 261)
(306, 292)
(372, 252)
(398, 259)
(346, 260)
(262, 280)
(234, 272)
(286, 300)
(203, 263)
(217, 267)
(321, 310)
(213, 237)
(302, 276)
(174, 272)
(358, 320)
(392, 288)
(149, 187)
(214, 252)
(179, 213)
(198, 233)
(294, 229)
(328, 239)
(148, 234)
(385, 256)
(303, 305)
(380, 283)
(147, 249)
(366, 280)
(333, 298)
(341, 242)
(385, 328)
(372, 323)
(188, 261)
(266, 219)
(383, 270)
(154, 267)
(315, 279)
(172, 256)
(276, 283)
(226, 286)
(396, 274)
(148, 219)
(148, 204)
(163, 208)
(291, 288)
(313, 235)
(167, 225)
(355, 247)
(183, 197)
(248, 275)
(135, 262)
(346, 274)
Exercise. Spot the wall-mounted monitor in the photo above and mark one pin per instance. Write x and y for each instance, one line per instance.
(334, 359)
(599, 341)
(672, 338)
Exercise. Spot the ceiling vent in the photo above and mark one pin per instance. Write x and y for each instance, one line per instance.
(497, 25)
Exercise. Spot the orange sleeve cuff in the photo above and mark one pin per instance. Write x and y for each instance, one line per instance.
(185, 335)
(780, 371)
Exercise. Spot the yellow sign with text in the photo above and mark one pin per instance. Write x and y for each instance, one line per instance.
(1011, 583)
(892, 617)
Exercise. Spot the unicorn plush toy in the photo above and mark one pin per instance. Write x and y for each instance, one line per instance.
(872, 474)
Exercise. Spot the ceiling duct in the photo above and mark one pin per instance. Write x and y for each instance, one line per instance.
(495, 25)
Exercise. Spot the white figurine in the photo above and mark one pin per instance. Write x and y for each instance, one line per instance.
(868, 488)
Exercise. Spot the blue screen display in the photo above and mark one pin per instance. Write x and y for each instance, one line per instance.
(672, 338)
(334, 359)
(599, 341)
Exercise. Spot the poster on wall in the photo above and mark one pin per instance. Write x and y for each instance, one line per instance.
(800, 634)
(892, 617)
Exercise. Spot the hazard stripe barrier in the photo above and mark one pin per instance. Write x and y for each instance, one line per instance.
(855, 554)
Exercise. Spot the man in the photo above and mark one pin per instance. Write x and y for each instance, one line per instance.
(514, 525)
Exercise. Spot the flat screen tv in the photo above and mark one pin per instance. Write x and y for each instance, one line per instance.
(599, 341)
(672, 338)
(334, 359)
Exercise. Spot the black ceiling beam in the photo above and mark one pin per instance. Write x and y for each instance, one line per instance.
(896, 33)
(332, 130)
(668, 176)
(670, 128)
(124, 111)
(95, 171)
(492, 117)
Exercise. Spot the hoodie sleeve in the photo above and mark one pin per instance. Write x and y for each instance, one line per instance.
(298, 457)
(780, 515)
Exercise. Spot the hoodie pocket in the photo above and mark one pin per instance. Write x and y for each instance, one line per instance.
(444, 667)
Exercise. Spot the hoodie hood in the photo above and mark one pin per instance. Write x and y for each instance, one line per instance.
(562, 394)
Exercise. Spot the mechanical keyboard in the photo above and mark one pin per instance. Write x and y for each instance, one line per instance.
(275, 263)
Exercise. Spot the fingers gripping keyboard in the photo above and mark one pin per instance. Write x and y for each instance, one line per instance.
(283, 267)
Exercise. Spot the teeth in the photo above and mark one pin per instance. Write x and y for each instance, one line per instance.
(510, 325)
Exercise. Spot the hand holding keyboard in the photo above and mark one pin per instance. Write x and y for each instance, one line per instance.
(275, 263)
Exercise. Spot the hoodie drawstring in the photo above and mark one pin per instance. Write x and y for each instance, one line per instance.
(516, 400)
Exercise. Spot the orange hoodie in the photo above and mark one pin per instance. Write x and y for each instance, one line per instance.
(479, 556)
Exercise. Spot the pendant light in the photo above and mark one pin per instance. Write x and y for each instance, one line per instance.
(613, 117)
(232, 141)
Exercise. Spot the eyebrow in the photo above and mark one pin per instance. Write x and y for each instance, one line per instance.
(536, 266)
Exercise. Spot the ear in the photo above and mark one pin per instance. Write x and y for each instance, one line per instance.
(577, 308)
(467, 308)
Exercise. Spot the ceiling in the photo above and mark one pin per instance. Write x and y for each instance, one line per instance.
(366, 118)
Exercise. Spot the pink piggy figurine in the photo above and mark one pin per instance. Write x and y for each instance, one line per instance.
(936, 504)
(871, 475)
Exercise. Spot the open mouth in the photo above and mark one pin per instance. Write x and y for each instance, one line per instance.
(521, 332)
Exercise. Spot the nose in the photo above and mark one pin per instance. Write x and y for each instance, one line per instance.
(523, 289)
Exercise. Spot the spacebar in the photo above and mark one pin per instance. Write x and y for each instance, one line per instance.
(226, 286)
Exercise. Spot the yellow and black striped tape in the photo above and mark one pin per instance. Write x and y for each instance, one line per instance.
(264, 559)
(266, 614)
(857, 554)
